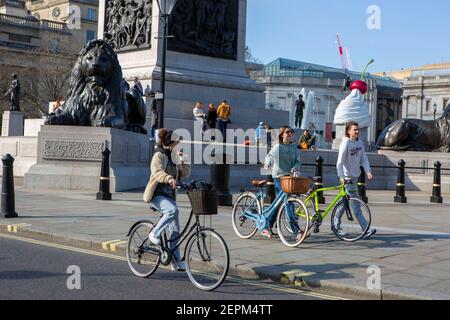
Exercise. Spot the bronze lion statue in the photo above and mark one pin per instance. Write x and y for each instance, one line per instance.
(98, 95)
(417, 135)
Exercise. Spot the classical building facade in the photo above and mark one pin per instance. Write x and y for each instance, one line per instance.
(284, 80)
(426, 93)
(426, 90)
(81, 16)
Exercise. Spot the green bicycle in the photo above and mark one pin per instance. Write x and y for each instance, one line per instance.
(350, 218)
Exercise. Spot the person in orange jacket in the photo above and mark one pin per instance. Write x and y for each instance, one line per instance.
(223, 114)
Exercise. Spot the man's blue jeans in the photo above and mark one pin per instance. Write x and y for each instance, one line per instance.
(352, 191)
(170, 219)
(223, 128)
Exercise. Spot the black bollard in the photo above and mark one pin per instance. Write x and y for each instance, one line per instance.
(8, 199)
(319, 182)
(271, 193)
(362, 186)
(220, 179)
(400, 197)
(103, 193)
(436, 197)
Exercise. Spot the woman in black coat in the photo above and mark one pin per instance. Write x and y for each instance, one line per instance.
(211, 117)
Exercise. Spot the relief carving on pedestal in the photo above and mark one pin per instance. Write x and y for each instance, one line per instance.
(73, 150)
(205, 27)
(128, 23)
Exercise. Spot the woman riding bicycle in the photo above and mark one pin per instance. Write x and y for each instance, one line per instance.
(160, 190)
(284, 159)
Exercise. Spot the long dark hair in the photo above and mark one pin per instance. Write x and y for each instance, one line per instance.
(280, 134)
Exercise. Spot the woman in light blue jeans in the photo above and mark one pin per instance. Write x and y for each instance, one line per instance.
(283, 159)
(160, 192)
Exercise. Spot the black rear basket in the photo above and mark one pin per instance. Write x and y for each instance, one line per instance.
(203, 202)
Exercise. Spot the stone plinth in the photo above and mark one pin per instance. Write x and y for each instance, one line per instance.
(12, 124)
(340, 134)
(70, 158)
(32, 127)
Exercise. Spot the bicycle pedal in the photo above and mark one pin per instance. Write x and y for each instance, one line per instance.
(316, 230)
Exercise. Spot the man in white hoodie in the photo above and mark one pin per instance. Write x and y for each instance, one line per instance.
(351, 157)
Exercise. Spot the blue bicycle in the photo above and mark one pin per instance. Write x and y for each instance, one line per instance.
(249, 215)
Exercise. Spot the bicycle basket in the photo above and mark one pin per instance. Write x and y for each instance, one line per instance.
(298, 185)
(203, 202)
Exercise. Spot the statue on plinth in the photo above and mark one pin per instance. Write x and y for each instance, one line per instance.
(417, 135)
(98, 95)
(14, 92)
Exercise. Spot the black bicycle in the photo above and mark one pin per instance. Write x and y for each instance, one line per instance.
(206, 253)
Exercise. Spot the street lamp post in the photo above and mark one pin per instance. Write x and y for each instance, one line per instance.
(435, 109)
(164, 14)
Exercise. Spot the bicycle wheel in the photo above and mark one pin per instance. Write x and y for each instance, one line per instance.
(142, 255)
(309, 204)
(207, 253)
(353, 224)
(293, 228)
(243, 226)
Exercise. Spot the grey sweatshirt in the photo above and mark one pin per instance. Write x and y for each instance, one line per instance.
(351, 157)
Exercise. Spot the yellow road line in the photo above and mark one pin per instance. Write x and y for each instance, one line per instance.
(106, 244)
(113, 246)
(14, 227)
(115, 257)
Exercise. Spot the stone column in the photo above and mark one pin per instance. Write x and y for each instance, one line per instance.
(405, 107)
(12, 124)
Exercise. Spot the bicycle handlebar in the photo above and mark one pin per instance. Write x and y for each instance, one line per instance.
(194, 184)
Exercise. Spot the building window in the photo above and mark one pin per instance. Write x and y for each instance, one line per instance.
(90, 35)
(427, 106)
(92, 14)
(444, 104)
(54, 45)
(19, 38)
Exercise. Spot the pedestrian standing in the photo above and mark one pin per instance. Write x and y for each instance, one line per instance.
(154, 112)
(350, 159)
(224, 113)
(211, 119)
(300, 105)
(199, 115)
(260, 133)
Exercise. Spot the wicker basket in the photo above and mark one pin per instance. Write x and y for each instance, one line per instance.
(295, 185)
(203, 202)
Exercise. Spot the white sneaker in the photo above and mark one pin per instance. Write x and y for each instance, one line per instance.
(178, 266)
(370, 233)
(153, 239)
(341, 232)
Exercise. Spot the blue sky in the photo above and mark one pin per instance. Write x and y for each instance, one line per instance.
(412, 33)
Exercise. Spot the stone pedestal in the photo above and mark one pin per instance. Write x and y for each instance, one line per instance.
(194, 77)
(70, 158)
(340, 134)
(12, 124)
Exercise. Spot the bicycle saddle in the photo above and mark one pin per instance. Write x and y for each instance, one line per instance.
(259, 183)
